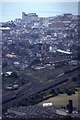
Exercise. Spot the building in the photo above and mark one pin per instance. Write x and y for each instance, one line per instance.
(70, 106)
(29, 17)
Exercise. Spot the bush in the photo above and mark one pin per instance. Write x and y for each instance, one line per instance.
(74, 79)
(14, 74)
(70, 91)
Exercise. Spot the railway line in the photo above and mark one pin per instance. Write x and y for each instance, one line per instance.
(23, 93)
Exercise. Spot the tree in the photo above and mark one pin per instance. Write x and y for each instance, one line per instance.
(14, 74)
(74, 79)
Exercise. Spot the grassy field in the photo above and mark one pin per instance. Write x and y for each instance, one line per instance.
(44, 75)
(62, 100)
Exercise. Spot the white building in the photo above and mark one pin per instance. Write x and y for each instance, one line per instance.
(47, 104)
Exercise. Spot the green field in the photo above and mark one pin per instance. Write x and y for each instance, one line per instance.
(62, 100)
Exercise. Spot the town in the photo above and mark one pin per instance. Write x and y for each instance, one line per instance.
(40, 59)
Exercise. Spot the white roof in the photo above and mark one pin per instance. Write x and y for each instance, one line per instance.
(16, 63)
(47, 104)
(4, 28)
(63, 51)
(9, 73)
(60, 112)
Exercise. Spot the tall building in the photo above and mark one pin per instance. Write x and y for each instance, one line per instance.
(70, 106)
(29, 17)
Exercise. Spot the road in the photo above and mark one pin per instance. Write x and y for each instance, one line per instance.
(23, 93)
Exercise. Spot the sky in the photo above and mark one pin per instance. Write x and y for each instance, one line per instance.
(11, 10)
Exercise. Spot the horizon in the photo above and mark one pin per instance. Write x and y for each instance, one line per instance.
(39, 16)
(11, 11)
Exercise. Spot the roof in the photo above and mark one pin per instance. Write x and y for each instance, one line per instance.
(4, 28)
(63, 51)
